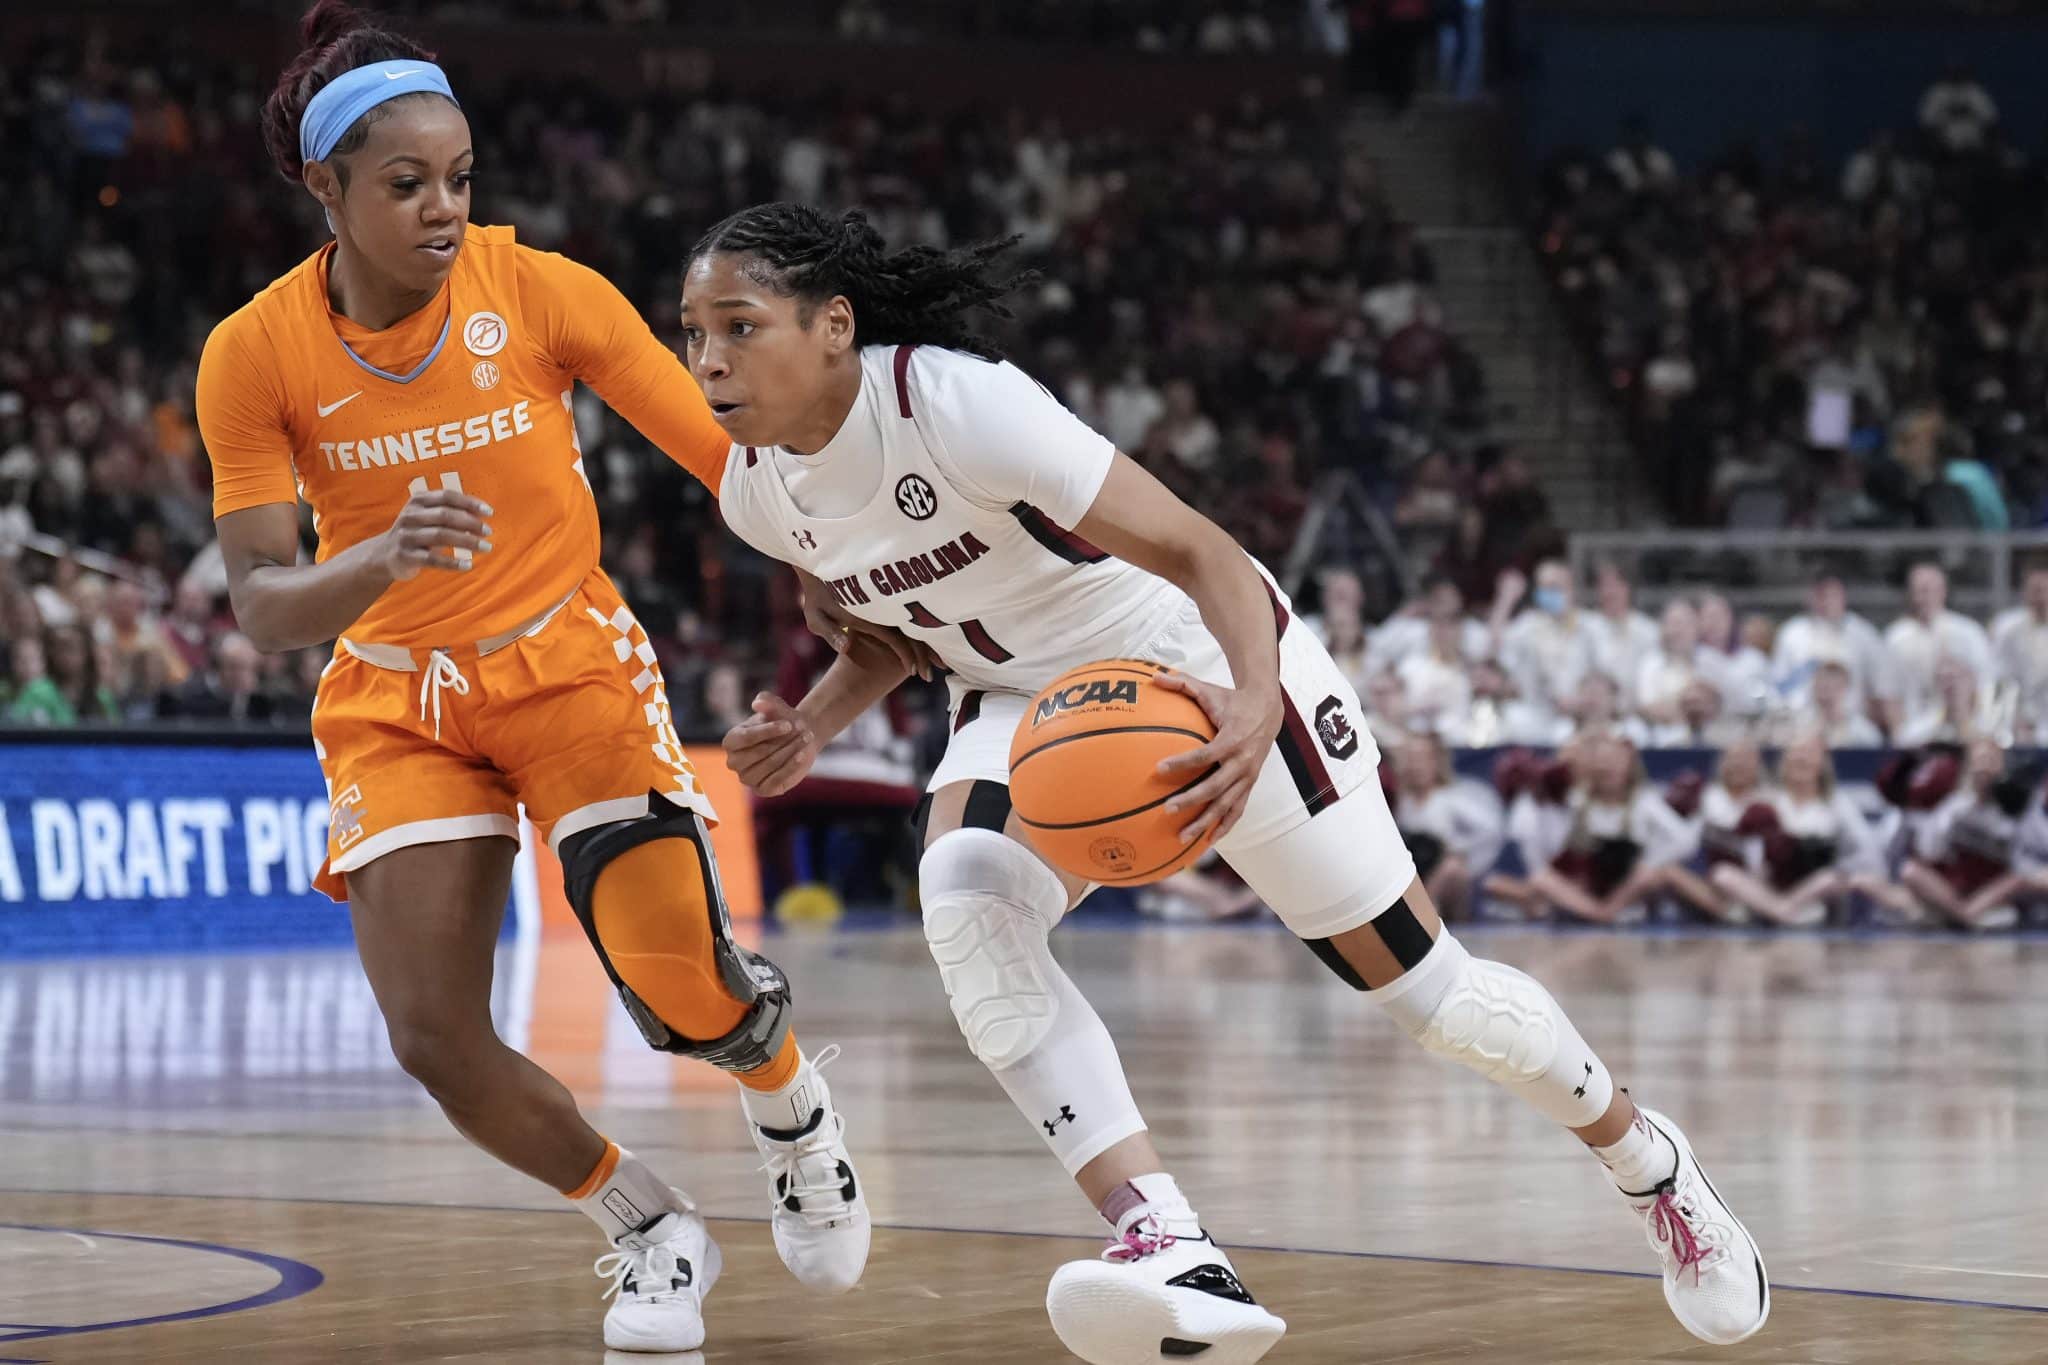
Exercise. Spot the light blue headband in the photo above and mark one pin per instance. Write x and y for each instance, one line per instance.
(331, 113)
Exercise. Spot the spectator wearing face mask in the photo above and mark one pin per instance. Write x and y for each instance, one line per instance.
(1548, 648)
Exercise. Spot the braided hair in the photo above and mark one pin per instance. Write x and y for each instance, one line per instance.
(917, 296)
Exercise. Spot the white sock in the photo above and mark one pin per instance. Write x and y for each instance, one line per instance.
(1151, 1196)
(1641, 1160)
(789, 1109)
(627, 1199)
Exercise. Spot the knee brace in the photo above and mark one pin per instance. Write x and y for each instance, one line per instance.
(661, 929)
(1502, 1024)
(989, 904)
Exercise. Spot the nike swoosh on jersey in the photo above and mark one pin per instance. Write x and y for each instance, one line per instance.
(328, 409)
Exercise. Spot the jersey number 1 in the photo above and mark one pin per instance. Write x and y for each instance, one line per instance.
(450, 482)
(977, 635)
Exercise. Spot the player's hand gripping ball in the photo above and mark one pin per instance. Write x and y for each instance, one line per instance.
(1085, 779)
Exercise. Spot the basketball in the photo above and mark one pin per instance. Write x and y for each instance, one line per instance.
(1084, 776)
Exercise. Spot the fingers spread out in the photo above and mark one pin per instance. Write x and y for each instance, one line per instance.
(1194, 760)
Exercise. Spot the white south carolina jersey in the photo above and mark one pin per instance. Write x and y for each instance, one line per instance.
(953, 486)
(965, 541)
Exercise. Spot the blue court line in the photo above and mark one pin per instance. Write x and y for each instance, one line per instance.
(1885, 1294)
(293, 1279)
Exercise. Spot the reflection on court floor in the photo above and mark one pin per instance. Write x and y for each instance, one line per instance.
(1867, 1102)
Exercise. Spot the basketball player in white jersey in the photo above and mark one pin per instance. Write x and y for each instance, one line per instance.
(927, 487)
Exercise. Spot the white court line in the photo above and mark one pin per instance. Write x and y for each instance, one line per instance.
(1966, 1270)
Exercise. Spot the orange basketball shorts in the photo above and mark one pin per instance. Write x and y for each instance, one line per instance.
(571, 718)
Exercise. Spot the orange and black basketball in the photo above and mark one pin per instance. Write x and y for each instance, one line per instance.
(1084, 776)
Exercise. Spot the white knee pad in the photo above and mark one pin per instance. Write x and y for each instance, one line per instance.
(1503, 1024)
(989, 904)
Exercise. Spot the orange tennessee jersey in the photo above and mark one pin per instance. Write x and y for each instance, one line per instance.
(470, 393)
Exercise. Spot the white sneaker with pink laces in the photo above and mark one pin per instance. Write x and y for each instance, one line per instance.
(1155, 1297)
(1714, 1275)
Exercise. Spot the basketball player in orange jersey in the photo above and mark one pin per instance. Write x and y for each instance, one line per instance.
(411, 381)
(926, 487)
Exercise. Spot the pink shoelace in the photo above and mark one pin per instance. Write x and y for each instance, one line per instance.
(1672, 1229)
(1143, 1238)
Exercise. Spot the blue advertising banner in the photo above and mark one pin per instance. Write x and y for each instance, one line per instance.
(135, 847)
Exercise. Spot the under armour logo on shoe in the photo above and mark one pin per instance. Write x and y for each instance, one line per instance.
(1052, 1126)
(1580, 1093)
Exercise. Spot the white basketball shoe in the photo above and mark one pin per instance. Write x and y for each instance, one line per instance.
(820, 1218)
(1714, 1276)
(660, 1276)
(1156, 1297)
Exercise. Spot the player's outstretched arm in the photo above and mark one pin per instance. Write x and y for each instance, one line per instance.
(1140, 521)
(837, 627)
(773, 749)
(282, 604)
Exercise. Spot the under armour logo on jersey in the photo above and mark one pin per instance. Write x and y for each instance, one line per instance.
(1052, 1126)
(915, 498)
(1580, 1093)
(1333, 727)
(805, 539)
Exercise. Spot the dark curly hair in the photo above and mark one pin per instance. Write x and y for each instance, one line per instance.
(338, 38)
(917, 296)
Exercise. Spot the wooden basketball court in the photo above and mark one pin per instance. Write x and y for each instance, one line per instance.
(215, 1158)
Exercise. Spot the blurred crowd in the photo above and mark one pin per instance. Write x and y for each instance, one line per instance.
(1551, 660)
(1946, 835)
(1219, 26)
(1233, 304)
(1863, 345)
(1952, 830)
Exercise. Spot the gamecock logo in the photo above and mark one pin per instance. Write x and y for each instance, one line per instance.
(1333, 728)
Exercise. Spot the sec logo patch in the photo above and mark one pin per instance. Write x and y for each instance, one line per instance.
(915, 498)
(485, 375)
